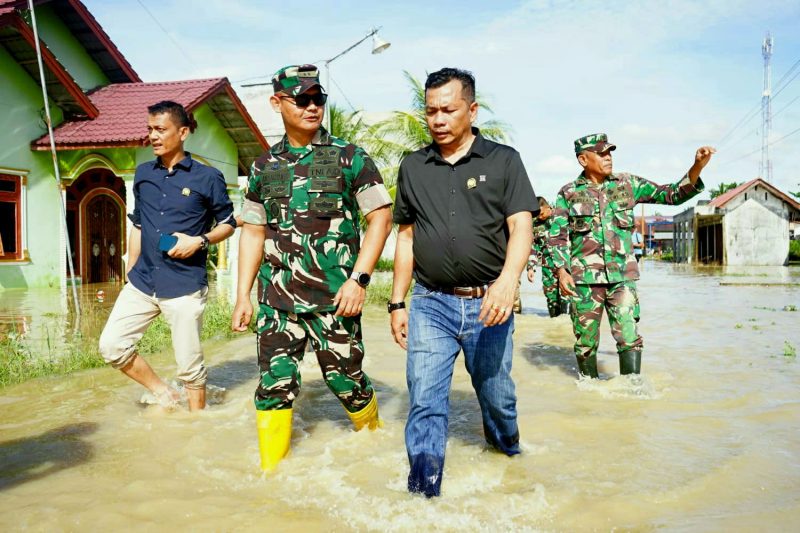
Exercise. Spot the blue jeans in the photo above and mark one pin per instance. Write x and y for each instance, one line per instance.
(439, 327)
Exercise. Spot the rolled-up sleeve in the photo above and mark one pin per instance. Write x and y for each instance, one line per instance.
(220, 203)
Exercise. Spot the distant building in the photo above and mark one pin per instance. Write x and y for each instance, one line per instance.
(99, 111)
(658, 233)
(748, 225)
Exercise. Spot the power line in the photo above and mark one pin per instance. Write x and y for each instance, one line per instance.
(797, 64)
(163, 29)
(787, 105)
(776, 141)
(786, 84)
(747, 118)
(754, 111)
(346, 99)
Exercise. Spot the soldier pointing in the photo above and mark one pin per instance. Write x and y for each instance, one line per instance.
(593, 252)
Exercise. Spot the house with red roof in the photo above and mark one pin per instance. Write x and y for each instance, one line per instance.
(748, 225)
(98, 106)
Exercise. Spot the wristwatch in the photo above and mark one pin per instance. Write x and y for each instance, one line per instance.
(394, 306)
(362, 278)
(205, 243)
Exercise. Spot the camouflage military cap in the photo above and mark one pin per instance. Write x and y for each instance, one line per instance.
(596, 142)
(296, 79)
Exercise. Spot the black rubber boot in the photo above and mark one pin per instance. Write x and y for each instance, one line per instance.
(630, 362)
(588, 367)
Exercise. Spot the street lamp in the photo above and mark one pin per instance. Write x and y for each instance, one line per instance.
(378, 46)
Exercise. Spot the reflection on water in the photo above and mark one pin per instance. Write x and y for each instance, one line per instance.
(707, 439)
(45, 318)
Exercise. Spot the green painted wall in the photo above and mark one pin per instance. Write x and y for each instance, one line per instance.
(69, 52)
(20, 123)
(20, 102)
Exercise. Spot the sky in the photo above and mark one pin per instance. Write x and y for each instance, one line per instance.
(660, 78)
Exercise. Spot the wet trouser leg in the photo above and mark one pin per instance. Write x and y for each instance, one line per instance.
(340, 352)
(433, 326)
(440, 325)
(337, 341)
(586, 314)
(487, 355)
(622, 304)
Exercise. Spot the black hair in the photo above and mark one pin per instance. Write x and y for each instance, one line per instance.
(542, 201)
(446, 75)
(176, 111)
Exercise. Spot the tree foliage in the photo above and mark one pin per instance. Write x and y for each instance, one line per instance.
(722, 188)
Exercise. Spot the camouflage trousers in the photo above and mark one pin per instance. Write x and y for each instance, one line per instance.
(281, 341)
(622, 304)
(550, 286)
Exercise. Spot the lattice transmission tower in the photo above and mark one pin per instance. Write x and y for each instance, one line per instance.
(765, 167)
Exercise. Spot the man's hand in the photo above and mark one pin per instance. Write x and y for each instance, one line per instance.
(349, 299)
(531, 272)
(703, 156)
(242, 314)
(565, 283)
(498, 303)
(398, 321)
(186, 246)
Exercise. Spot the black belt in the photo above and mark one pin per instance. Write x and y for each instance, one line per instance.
(465, 292)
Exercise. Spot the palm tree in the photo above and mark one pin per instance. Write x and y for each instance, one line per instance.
(390, 140)
(722, 188)
(352, 128)
(407, 131)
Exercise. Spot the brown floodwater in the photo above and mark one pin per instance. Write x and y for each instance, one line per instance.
(707, 440)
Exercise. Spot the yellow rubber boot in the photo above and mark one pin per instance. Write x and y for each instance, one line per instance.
(368, 416)
(274, 434)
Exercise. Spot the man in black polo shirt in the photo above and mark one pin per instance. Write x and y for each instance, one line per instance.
(176, 201)
(464, 205)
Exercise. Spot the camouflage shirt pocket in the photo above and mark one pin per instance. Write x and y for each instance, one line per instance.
(326, 206)
(580, 217)
(623, 218)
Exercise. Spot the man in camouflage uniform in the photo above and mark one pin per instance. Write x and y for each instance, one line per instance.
(593, 253)
(301, 216)
(542, 257)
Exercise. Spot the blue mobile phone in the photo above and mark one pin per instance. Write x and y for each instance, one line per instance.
(166, 242)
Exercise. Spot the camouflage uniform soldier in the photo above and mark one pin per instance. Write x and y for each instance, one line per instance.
(301, 215)
(542, 257)
(593, 253)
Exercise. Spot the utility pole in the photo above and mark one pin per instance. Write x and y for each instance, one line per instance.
(765, 168)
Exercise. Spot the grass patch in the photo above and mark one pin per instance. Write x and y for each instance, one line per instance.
(380, 291)
(20, 361)
(384, 265)
(789, 350)
(794, 250)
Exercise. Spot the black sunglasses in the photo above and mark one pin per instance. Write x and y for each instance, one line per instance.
(302, 100)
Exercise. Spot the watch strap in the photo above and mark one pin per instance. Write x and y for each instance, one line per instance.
(395, 306)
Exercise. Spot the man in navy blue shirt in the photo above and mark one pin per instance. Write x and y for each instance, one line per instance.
(176, 202)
